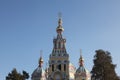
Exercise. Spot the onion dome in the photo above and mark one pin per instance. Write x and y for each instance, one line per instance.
(81, 68)
(41, 60)
(82, 72)
(59, 29)
(39, 73)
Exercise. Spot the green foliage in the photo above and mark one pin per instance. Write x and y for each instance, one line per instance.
(103, 68)
(14, 75)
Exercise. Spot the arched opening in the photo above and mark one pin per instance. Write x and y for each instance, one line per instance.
(64, 67)
(59, 67)
(52, 67)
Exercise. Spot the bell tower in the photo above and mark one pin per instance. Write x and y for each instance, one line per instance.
(59, 58)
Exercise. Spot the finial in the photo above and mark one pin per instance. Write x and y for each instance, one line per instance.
(60, 19)
(60, 15)
(59, 29)
(80, 52)
(40, 60)
(40, 53)
(41, 56)
(81, 60)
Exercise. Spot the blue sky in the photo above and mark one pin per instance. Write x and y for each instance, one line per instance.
(28, 26)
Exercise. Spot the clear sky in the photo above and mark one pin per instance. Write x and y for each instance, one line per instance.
(28, 26)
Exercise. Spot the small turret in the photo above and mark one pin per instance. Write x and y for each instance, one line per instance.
(82, 73)
(39, 73)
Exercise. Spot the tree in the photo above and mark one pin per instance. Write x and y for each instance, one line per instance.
(14, 75)
(103, 68)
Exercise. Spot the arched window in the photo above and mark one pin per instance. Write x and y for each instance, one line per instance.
(59, 66)
(52, 67)
(55, 45)
(59, 45)
(64, 67)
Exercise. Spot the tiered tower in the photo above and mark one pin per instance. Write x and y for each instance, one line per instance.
(59, 58)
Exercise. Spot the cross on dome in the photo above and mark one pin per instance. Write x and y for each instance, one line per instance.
(59, 28)
(41, 59)
(81, 60)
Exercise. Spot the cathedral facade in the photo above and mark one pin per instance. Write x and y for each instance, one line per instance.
(60, 67)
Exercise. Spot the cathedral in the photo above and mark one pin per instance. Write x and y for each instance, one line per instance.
(60, 67)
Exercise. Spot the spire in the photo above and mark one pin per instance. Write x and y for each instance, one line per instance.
(81, 60)
(41, 59)
(60, 19)
(59, 42)
(59, 28)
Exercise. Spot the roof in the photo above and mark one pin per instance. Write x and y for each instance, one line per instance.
(82, 72)
(38, 73)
